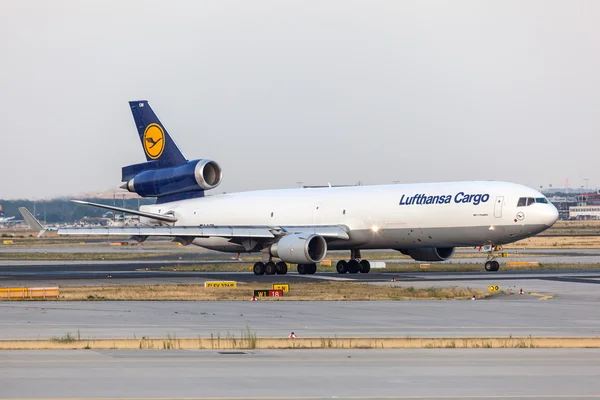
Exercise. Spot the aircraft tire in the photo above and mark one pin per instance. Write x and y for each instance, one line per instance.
(342, 267)
(490, 266)
(282, 268)
(365, 267)
(353, 266)
(259, 268)
(496, 265)
(312, 268)
(270, 268)
(302, 270)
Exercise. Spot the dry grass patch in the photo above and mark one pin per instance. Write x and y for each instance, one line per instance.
(554, 242)
(301, 291)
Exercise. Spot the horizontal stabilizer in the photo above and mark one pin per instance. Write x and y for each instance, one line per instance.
(158, 217)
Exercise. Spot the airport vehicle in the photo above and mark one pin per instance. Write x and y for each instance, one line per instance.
(425, 221)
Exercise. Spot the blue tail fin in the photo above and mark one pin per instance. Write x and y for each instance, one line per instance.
(156, 141)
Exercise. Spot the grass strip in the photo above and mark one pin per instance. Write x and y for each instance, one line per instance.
(322, 291)
(248, 341)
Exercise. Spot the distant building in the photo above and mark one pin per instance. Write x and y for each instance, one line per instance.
(588, 207)
(584, 212)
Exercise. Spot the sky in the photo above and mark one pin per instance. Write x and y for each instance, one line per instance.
(280, 92)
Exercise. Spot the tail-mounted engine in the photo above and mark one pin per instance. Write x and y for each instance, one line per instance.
(193, 177)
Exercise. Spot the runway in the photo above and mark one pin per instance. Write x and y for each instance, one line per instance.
(540, 374)
(556, 303)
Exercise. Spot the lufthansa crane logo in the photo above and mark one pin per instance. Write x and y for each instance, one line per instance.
(154, 141)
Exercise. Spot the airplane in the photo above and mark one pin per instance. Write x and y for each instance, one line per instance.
(7, 220)
(425, 221)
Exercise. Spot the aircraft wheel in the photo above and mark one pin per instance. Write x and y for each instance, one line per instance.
(365, 266)
(342, 267)
(312, 268)
(259, 268)
(270, 268)
(353, 266)
(302, 270)
(489, 266)
(282, 268)
(496, 265)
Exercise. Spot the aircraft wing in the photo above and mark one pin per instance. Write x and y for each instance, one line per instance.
(158, 217)
(259, 232)
(242, 232)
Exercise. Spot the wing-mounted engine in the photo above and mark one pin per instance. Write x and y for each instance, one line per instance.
(300, 248)
(429, 253)
(151, 179)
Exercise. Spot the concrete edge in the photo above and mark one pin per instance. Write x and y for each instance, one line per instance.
(251, 343)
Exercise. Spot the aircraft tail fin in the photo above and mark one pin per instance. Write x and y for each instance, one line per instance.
(32, 221)
(156, 141)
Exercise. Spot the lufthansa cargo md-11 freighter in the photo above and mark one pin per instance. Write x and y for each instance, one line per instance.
(425, 221)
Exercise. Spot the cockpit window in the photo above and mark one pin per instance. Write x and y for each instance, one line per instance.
(527, 201)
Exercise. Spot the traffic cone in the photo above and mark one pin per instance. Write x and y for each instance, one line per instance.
(520, 291)
(109, 276)
(393, 280)
(474, 298)
(292, 335)
(253, 298)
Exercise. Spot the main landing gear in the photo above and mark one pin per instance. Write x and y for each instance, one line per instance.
(270, 268)
(491, 265)
(281, 268)
(304, 269)
(354, 265)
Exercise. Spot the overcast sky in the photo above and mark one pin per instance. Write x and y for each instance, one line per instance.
(314, 91)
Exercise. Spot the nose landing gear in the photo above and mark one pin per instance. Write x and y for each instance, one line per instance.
(491, 265)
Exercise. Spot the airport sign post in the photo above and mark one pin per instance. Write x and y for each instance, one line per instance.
(220, 284)
(285, 287)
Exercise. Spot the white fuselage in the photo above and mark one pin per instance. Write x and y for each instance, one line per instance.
(378, 217)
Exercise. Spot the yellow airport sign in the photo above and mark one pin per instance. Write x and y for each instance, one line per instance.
(424, 266)
(7, 242)
(282, 286)
(220, 284)
(493, 288)
(325, 263)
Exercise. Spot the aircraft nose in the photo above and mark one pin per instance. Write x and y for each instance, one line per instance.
(550, 215)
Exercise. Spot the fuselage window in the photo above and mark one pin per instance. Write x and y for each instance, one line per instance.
(522, 202)
(530, 201)
(344, 212)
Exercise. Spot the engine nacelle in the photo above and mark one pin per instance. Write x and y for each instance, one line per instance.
(194, 176)
(300, 248)
(429, 253)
